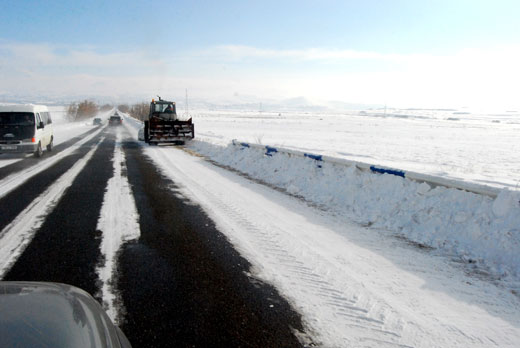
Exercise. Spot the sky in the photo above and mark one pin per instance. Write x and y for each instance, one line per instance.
(407, 53)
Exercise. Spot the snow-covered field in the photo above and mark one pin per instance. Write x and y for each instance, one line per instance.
(370, 260)
(476, 147)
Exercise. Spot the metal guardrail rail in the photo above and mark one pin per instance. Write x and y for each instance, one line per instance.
(432, 180)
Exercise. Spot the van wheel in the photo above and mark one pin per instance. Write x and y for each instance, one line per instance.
(50, 145)
(39, 150)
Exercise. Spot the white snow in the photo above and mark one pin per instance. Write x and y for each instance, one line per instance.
(477, 147)
(119, 222)
(474, 227)
(353, 285)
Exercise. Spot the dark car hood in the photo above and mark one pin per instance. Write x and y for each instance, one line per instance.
(52, 315)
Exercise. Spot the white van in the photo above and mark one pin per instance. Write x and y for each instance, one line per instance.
(25, 128)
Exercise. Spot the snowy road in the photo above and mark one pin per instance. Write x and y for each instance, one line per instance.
(354, 286)
(90, 217)
(181, 251)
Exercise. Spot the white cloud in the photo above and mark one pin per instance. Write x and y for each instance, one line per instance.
(237, 52)
(479, 77)
(44, 55)
(468, 77)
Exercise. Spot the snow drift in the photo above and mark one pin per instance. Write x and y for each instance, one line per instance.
(476, 228)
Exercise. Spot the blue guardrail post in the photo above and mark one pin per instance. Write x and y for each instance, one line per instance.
(270, 150)
(318, 158)
(387, 171)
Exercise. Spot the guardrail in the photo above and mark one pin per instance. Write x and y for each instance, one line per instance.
(418, 177)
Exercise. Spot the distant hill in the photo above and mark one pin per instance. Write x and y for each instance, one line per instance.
(235, 102)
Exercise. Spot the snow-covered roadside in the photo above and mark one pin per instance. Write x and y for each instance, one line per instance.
(353, 286)
(474, 147)
(476, 228)
(119, 223)
(131, 124)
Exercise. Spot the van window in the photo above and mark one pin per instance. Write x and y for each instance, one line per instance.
(38, 121)
(16, 118)
(19, 124)
(46, 117)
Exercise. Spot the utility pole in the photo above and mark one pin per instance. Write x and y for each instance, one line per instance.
(186, 105)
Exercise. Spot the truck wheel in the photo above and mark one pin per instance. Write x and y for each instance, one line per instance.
(50, 146)
(146, 137)
(39, 150)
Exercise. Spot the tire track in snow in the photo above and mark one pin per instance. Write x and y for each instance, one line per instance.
(119, 223)
(27, 191)
(23, 163)
(353, 315)
(14, 180)
(66, 247)
(356, 318)
(18, 234)
(184, 284)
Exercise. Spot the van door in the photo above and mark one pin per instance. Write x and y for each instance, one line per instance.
(40, 131)
(17, 126)
(46, 116)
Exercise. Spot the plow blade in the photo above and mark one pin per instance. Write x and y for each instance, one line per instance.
(163, 131)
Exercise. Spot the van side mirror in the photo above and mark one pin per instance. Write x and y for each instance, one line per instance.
(41, 125)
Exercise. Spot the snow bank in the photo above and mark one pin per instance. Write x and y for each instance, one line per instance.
(476, 228)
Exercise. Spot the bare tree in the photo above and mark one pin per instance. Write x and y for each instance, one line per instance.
(139, 111)
(123, 108)
(86, 109)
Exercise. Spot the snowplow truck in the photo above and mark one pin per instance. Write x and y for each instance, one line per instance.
(163, 126)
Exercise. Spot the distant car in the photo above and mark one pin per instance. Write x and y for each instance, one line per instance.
(97, 121)
(140, 134)
(115, 120)
(38, 314)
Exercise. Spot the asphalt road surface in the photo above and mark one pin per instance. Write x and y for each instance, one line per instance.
(181, 283)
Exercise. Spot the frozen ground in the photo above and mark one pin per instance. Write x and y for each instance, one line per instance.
(333, 243)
